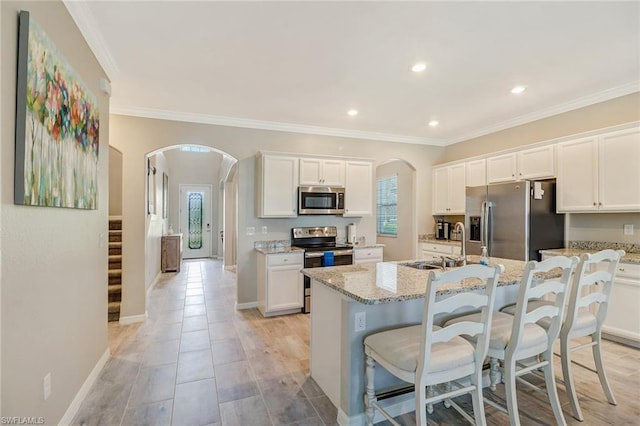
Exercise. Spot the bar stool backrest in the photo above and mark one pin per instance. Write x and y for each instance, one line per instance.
(591, 287)
(478, 301)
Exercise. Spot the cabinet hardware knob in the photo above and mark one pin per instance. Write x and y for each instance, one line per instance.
(594, 204)
(599, 204)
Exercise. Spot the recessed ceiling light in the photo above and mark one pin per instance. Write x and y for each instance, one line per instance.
(352, 112)
(419, 67)
(433, 123)
(518, 89)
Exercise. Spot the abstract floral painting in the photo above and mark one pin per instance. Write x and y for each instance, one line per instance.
(56, 127)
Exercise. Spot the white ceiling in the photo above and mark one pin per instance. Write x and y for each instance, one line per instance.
(301, 65)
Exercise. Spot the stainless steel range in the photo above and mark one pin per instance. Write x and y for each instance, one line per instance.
(320, 249)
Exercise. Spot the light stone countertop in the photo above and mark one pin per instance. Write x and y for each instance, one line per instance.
(627, 258)
(435, 241)
(278, 250)
(388, 282)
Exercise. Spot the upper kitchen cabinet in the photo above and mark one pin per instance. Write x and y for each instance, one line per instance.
(449, 186)
(320, 171)
(476, 172)
(535, 163)
(276, 185)
(358, 198)
(600, 173)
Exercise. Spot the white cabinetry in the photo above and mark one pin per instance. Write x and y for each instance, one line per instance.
(367, 255)
(358, 198)
(502, 168)
(430, 251)
(600, 173)
(320, 171)
(276, 185)
(280, 283)
(476, 172)
(449, 186)
(535, 163)
(623, 319)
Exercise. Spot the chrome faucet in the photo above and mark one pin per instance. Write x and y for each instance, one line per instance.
(463, 242)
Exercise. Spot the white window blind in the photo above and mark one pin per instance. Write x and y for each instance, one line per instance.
(387, 203)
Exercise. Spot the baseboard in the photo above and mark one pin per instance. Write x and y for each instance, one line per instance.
(250, 305)
(394, 406)
(84, 389)
(132, 319)
(621, 336)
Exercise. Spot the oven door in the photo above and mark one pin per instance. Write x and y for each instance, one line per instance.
(314, 260)
(320, 200)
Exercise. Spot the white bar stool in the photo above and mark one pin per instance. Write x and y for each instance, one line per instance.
(517, 337)
(428, 355)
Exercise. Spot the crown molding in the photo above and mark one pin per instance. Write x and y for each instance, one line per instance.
(270, 125)
(605, 95)
(87, 25)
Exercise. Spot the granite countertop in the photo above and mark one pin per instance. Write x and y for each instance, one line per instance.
(367, 245)
(278, 250)
(387, 282)
(627, 258)
(576, 248)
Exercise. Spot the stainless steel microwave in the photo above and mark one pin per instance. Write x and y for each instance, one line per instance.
(320, 200)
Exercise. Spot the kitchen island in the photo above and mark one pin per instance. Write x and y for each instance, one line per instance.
(351, 302)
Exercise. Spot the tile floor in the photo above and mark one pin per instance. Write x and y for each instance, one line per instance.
(198, 361)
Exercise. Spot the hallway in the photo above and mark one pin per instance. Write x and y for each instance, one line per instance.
(198, 361)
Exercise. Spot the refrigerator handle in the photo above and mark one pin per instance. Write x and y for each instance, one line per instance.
(483, 225)
(488, 223)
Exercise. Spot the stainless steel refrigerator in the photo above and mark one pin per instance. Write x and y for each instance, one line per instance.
(514, 220)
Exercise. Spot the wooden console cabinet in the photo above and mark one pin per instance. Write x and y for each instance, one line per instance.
(171, 253)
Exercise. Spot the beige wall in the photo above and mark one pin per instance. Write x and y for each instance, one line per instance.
(54, 263)
(616, 111)
(115, 182)
(136, 137)
(403, 246)
(607, 227)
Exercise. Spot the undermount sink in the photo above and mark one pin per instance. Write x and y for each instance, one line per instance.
(421, 265)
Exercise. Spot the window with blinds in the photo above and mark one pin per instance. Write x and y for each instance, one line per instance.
(387, 203)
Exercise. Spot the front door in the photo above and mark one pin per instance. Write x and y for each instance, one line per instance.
(195, 220)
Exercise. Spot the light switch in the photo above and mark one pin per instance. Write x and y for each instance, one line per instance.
(628, 228)
(265, 230)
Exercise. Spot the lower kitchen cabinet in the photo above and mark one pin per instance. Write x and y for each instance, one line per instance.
(430, 251)
(280, 283)
(623, 320)
(367, 255)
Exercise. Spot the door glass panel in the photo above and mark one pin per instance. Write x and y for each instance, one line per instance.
(194, 237)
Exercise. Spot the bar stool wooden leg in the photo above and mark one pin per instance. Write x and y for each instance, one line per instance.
(568, 378)
(477, 400)
(550, 382)
(509, 380)
(597, 357)
(494, 373)
(421, 400)
(371, 393)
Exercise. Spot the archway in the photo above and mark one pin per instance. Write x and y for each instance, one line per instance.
(397, 231)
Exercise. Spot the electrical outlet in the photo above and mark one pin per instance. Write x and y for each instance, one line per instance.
(361, 321)
(251, 230)
(46, 386)
(628, 228)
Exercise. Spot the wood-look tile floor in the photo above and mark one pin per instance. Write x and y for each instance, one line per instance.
(198, 361)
